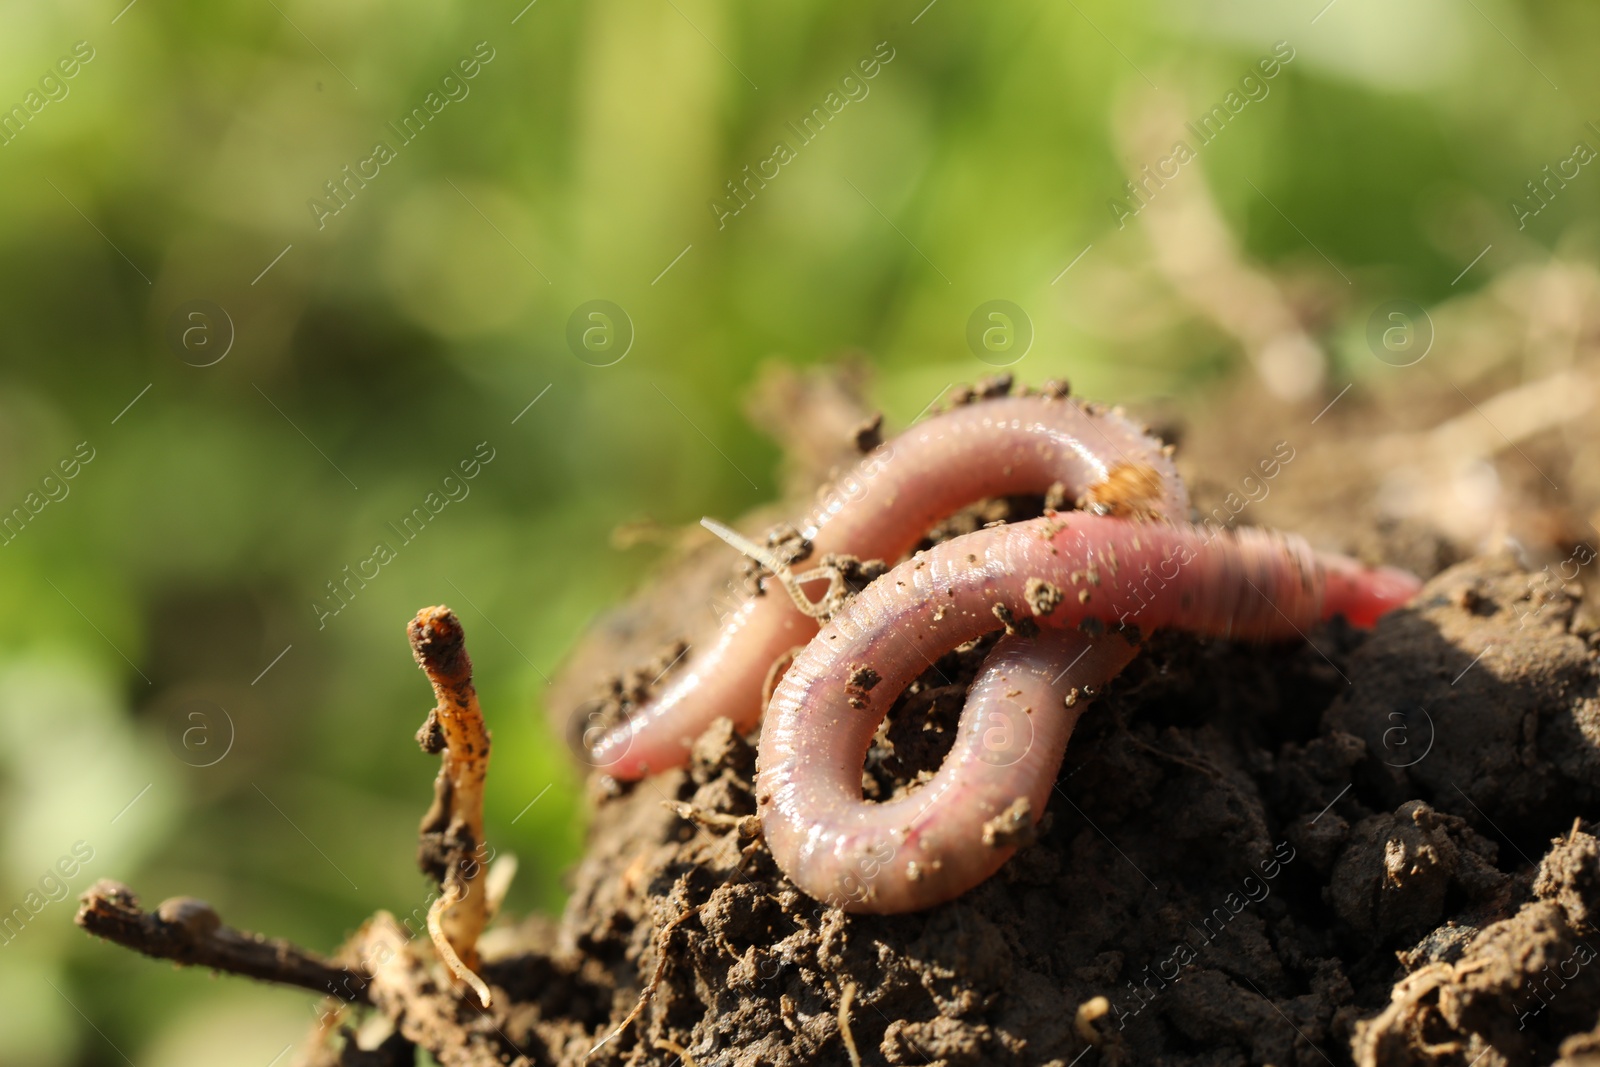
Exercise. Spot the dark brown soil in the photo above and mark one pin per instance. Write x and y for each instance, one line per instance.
(1236, 857)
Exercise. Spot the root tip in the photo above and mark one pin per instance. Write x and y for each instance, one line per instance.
(437, 640)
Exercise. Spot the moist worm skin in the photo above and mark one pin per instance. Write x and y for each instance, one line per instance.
(999, 447)
(928, 846)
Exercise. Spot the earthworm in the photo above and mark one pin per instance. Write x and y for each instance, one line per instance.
(996, 447)
(1076, 576)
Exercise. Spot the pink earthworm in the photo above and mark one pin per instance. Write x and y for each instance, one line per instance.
(1075, 575)
(996, 447)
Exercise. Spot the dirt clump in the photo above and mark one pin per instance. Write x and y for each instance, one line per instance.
(1232, 862)
(1522, 989)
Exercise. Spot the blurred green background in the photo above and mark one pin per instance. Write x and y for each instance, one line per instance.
(169, 695)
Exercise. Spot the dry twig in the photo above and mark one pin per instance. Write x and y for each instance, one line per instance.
(189, 932)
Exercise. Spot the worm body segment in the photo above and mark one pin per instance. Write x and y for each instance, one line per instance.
(999, 447)
(930, 845)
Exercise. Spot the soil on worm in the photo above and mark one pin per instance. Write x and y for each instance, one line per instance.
(1375, 848)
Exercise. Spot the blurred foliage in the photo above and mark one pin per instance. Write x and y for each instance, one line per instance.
(381, 347)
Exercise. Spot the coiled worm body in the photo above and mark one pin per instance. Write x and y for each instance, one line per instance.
(1133, 564)
(997, 447)
(1092, 574)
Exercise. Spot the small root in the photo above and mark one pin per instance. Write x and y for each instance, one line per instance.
(676, 1049)
(1090, 1012)
(1183, 761)
(662, 940)
(651, 986)
(823, 608)
(819, 609)
(497, 883)
(746, 825)
(447, 953)
(844, 1024)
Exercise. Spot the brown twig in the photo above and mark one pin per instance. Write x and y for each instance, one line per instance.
(452, 831)
(189, 932)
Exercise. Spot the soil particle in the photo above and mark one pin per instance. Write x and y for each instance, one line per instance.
(1057, 498)
(948, 1042)
(1570, 876)
(990, 388)
(788, 544)
(1014, 625)
(1042, 597)
(1130, 491)
(430, 735)
(869, 434)
(1581, 1050)
(1014, 826)
(1521, 987)
(860, 682)
(1319, 839)
(1392, 877)
(722, 752)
